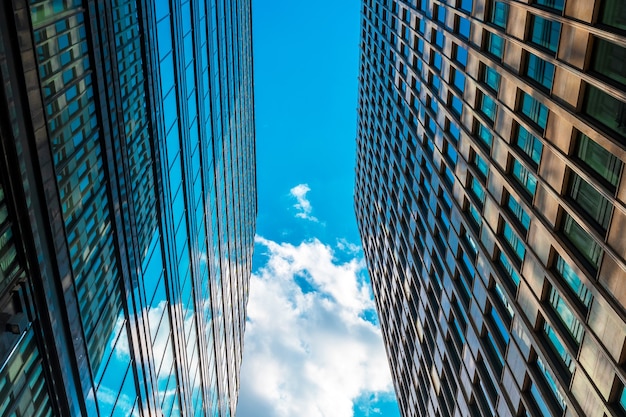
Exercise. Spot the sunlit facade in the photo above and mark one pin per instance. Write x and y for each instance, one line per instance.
(127, 206)
(490, 197)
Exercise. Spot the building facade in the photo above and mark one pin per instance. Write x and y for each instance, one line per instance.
(127, 206)
(491, 201)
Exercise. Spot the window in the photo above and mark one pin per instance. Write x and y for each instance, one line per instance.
(487, 106)
(534, 110)
(481, 165)
(551, 4)
(582, 242)
(514, 241)
(463, 27)
(568, 275)
(494, 44)
(545, 33)
(508, 269)
(608, 60)
(622, 399)
(566, 315)
(485, 135)
(466, 5)
(474, 215)
(460, 55)
(606, 110)
(539, 70)
(498, 14)
(613, 13)
(529, 144)
(558, 347)
(458, 80)
(439, 38)
(477, 190)
(456, 105)
(599, 160)
(549, 379)
(524, 177)
(590, 201)
(518, 212)
(491, 78)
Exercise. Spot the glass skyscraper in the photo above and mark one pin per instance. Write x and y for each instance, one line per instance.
(127, 206)
(491, 201)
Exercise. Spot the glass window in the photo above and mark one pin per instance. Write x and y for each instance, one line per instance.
(570, 321)
(529, 144)
(524, 177)
(508, 268)
(581, 241)
(459, 80)
(549, 379)
(520, 214)
(474, 215)
(552, 4)
(545, 33)
(534, 110)
(590, 200)
(481, 165)
(463, 27)
(539, 70)
(598, 159)
(573, 281)
(498, 14)
(466, 5)
(457, 105)
(494, 44)
(622, 399)
(491, 78)
(514, 241)
(487, 106)
(606, 110)
(558, 347)
(613, 13)
(485, 135)
(460, 55)
(477, 190)
(608, 60)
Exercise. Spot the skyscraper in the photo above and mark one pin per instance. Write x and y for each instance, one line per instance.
(127, 206)
(490, 197)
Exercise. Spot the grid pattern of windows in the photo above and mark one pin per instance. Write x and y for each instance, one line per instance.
(130, 150)
(534, 172)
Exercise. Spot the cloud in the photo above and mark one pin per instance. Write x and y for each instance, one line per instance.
(303, 205)
(310, 353)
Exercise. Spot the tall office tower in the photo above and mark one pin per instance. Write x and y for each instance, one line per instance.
(127, 206)
(490, 197)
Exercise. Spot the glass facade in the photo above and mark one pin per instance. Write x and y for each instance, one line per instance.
(130, 150)
(499, 275)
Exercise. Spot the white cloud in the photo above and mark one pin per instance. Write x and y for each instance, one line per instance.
(303, 205)
(309, 353)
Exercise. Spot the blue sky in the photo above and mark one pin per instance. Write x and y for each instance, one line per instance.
(312, 344)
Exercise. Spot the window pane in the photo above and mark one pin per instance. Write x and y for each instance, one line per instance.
(545, 33)
(514, 242)
(613, 13)
(491, 78)
(573, 281)
(553, 4)
(488, 106)
(485, 135)
(590, 200)
(534, 110)
(495, 44)
(520, 214)
(498, 14)
(598, 159)
(561, 308)
(529, 144)
(540, 71)
(524, 177)
(608, 60)
(606, 110)
(581, 240)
